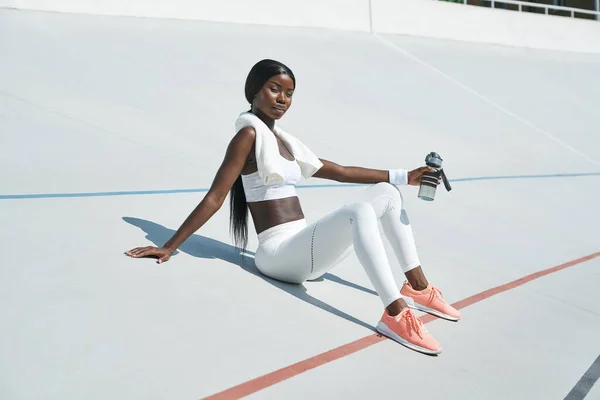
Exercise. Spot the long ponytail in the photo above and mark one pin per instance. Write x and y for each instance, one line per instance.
(238, 214)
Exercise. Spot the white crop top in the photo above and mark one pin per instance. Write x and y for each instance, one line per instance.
(255, 190)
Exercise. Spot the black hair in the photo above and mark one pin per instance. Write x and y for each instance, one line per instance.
(238, 212)
(260, 73)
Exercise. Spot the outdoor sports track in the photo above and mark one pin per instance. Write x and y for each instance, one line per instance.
(111, 131)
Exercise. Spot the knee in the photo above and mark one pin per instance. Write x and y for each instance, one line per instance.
(391, 192)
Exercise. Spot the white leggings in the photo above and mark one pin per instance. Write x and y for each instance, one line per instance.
(294, 252)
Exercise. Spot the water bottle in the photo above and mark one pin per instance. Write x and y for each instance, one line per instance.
(430, 180)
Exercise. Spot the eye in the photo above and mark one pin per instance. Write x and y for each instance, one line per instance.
(289, 94)
(274, 89)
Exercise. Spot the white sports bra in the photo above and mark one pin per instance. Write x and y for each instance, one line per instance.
(255, 190)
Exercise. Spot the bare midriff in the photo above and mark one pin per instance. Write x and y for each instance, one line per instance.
(269, 213)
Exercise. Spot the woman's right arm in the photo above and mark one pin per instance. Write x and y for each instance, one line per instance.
(235, 158)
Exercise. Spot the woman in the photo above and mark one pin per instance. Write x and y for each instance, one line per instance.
(292, 251)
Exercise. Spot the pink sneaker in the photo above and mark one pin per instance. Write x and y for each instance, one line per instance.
(429, 300)
(408, 330)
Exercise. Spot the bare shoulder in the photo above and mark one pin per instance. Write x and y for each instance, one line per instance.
(241, 144)
(246, 134)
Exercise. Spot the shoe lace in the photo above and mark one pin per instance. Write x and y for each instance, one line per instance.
(413, 322)
(435, 292)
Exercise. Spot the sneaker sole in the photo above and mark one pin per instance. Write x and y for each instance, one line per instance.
(420, 307)
(385, 331)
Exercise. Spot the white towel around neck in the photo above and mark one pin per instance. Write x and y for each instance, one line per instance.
(267, 150)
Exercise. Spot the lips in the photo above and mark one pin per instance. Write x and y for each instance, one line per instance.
(280, 109)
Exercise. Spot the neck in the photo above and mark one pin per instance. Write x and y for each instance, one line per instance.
(270, 122)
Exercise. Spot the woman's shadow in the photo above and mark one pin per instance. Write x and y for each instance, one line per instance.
(203, 247)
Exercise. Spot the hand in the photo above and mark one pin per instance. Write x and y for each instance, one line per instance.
(161, 253)
(414, 176)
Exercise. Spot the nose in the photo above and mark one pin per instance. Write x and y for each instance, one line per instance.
(281, 98)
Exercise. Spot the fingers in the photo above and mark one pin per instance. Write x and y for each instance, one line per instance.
(137, 251)
(130, 252)
(421, 170)
(141, 251)
(163, 259)
(415, 176)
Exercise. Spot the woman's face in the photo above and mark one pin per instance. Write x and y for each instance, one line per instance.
(275, 97)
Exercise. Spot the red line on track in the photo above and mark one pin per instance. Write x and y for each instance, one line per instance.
(262, 382)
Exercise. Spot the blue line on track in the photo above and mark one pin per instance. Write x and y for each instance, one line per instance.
(203, 190)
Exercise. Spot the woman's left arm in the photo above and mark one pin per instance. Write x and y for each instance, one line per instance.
(340, 173)
(336, 172)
